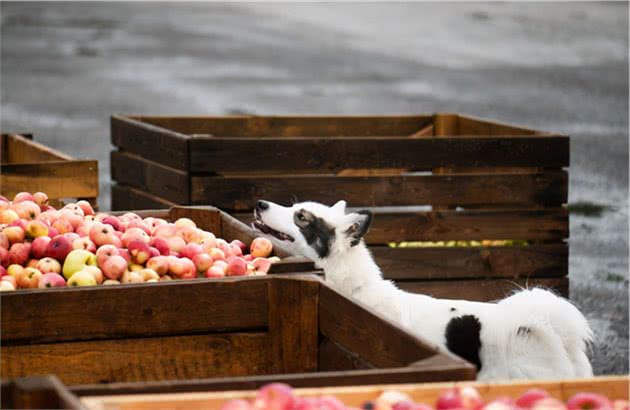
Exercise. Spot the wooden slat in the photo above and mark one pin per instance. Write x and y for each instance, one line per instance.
(163, 146)
(614, 387)
(332, 154)
(19, 149)
(469, 125)
(482, 290)
(60, 179)
(201, 305)
(546, 189)
(126, 198)
(472, 262)
(373, 338)
(333, 357)
(165, 182)
(293, 324)
(142, 359)
(38, 392)
(403, 225)
(292, 126)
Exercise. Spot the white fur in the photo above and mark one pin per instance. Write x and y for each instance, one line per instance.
(554, 348)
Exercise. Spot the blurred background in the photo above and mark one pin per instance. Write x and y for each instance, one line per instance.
(562, 67)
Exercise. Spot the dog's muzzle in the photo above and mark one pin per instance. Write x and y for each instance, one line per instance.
(259, 225)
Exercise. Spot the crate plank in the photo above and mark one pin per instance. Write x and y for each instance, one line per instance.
(127, 198)
(398, 225)
(133, 310)
(483, 290)
(544, 189)
(19, 149)
(165, 182)
(159, 358)
(59, 179)
(333, 154)
(38, 392)
(293, 349)
(163, 146)
(334, 357)
(435, 263)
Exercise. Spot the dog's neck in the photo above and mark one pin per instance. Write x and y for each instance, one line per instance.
(352, 269)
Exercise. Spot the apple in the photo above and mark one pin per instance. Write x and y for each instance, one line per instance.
(39, 246)
(32, 263)
(29, 278)
(114, 222)
(4, 241)
(588, 401)
(4, 257)
(19, 253)
(63, 225)
(459, 398)
(548, 404)
(8, 215)
(41, 199)
(159, 264)
(165, 231)
(215, 272)
(52, 232)
(36, 229)
(236, 266)
(23, 196)
(527, 399)
(224, 246)
(103, 234)
(161, 245)
(125, 254)
(249, 257)
(134, 267)
(261, 247)
(6, 286)
(139, 224)
(208, 242)
(236, 250)
(21, 223)
(14, 234)
(202, 261)
(176, 244)
(11, 279)
(3, 271)
(96, 272)
(48, 216)
(188, 234)
(165, 278)
(262, 265)
(82, 278)
(130, 216)
(182, 268)
(275, 396)
(149, 274)
(132, 277)
(111, 282)
(217, 254)
(26, 209)
(134, 234)
(83, 230)
(190, 250)
(154, 251)
(58, 248)
(71, 236)
(104, 252)
(114, 267)
(48, 265)
(182, 222)
(620, 405)
(139, 250)
(274, 259)
(51, 280)
(15, 270)
(85, 207)
(76, 261)
(84, 243)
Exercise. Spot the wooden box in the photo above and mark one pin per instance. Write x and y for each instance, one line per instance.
(443, 177)
(29, 166)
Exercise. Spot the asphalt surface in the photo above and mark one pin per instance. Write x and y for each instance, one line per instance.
(66, 67)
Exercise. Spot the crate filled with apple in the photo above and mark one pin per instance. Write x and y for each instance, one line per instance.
(44, 247)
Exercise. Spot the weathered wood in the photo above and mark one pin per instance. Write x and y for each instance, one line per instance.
(332, 154)
(165, 182)
(38, 392)
(334, 357)
(33, 316)
(161, 145)
(293, 348)
(442, 263)
(483, 290)
(398, 225)
(546, 189)
(59, 179)
(373, 338)
(127, 198)
(140, 359)
(19, 149)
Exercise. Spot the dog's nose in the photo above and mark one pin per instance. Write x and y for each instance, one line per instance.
(262, 205)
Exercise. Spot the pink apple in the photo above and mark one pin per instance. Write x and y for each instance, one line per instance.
(547, 404)
(14, 234)
(19, 253)
(621, 405)
(239, 244)
(48, 265)
(183, 222)
(4, 241)
(208, 242)
(48, 216)
(41, 199)
(214, 272)
(114, 222)
(85, 207)
(130, 216)
(134, 234)
(104, 252)
(83, 230)
(73, 208)
(8, 215)
(276, 396)
(84, 243)
(139, 224)
(153, 223)
(52, 232)
(224, 246)
(23, 196)
(71, 236)
(139, 251)
(202, 261)
(159, 264)
(182, 268)
(51, 280)
(21, 223)
(262, 265)
(11, 279)
(236, 250)
(39, 245)
(190, 250)
(149, 274)
(176, 244)
(165, 231)
(73, 218)
(261, 247)
(165, 278)
(3, 271)
(103, 234)
(62, 226)
(114, 266)
(188, 234)
(4, 257)
(161, 245)
(527, 399)
(154, 251)
(125, 254)
(217, 254)
(589, 401)
(236, 266)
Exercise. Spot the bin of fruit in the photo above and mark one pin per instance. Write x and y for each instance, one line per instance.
(476, 180)
(27, 165)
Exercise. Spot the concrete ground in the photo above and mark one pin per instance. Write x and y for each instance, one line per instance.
(66, 67)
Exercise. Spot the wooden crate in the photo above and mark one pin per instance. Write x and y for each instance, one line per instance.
(483, 181)
(614, 387)
(29, 166)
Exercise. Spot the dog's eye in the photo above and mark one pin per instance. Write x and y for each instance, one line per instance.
(301, 217)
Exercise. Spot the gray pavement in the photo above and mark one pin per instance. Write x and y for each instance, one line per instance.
(66, 67)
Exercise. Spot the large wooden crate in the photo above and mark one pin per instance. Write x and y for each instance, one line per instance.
(29, 166)
(475, 180)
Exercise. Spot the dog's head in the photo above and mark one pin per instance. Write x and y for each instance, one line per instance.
(315, 230)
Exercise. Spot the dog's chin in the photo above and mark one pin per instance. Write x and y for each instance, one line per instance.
(259, 225)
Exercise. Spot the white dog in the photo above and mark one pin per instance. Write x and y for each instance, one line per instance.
(532, 334)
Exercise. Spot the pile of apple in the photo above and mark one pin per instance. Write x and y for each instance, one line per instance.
(43, 247)
(278, 396)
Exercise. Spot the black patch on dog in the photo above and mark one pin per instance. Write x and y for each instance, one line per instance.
(453, 309)
(523, 331)
(358, 230)
(318, 234)
(462, 338)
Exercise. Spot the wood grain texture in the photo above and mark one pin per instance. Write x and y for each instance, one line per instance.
(332, 154)
(33, 316)
(38, 392)
(546, 189)
(141, 359)
(293, 324)
(21, 149)
(473, 262)
(127, 198)
(483, 290)
(162, 181)
(163, 146)
(334, 357)
(397, 225)
(373, 338)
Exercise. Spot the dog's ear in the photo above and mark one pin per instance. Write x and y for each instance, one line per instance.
(339, 207)
(359, 225)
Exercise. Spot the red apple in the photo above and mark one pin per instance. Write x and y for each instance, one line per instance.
(58, 248)
(275, 396)
(19, 253)
(530, 397)
(134, 234)
(189, 251)
(182, 268)
(114, 267)
(51, 280)
(215, 272)
(52, 232)
(103, 253)
(236, 266)
(161, 245)
(139, 224)
(41, 199)
(62, 226)
(39, 245)
(85, 207)
(4, 241)
(4, 257)
(589, 401)
(140, 252)
(217, 254)
(114, 222)
(262, 265)
(202, 261)
(23, 196)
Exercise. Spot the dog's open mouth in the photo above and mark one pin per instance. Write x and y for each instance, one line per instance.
(260, 225)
